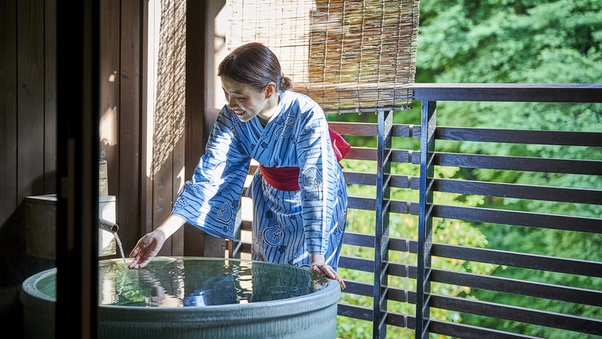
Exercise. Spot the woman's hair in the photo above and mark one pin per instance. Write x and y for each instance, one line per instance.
(256, 65)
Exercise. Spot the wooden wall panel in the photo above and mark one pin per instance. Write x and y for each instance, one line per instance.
(30, 100)
(177, 242)
(195, 103)
(8, 109)
(110, 23)
(128, 195)
(27, 138)
(50, 120)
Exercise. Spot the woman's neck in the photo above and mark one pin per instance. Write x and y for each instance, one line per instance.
(267, 113)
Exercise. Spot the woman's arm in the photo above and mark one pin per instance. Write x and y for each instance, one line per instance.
(318, 168)
(211, 199)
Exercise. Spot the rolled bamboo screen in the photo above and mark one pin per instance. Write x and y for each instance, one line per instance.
(349, 56)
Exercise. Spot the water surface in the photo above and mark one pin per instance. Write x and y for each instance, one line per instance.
(183, 282)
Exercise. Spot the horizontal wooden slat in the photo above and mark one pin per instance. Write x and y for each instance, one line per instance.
(365, 153)
(353, 311)
(530, 164)
(358, 239)
(405, 156)
(401, 320)
(509, 92)
(526, 288)
(396, 206)
(471, 332)
(357, 178)
(354, 128)
(530, 261)
(401, 295)
(361, 153)
(548, 193)
(369, 179)
(559, 222)
(361, 203)
(359, 288)
(356, 263)
(403, 245)
(401, 270)
(566, 138)
(403, 207)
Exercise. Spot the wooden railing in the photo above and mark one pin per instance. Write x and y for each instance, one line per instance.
(422, 246)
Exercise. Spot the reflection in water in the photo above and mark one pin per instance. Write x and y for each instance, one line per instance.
(181, 282)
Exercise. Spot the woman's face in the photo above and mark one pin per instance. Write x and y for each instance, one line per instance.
(246, 101)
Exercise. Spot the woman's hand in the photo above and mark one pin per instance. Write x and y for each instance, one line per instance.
(147, 248)
(318, 265)
(149, 245)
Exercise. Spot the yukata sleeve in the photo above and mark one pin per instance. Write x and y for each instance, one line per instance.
(210, 200)
(317, 182)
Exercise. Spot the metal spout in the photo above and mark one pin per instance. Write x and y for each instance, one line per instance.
(107, 226)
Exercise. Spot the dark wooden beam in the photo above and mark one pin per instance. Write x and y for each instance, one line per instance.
(196, 13)
(509, 92)
(77, 168)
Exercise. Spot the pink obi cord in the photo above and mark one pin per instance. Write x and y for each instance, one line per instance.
(287, 178)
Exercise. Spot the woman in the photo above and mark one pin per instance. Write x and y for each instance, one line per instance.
(299, 193)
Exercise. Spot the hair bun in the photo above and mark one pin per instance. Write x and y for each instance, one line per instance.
(286, 83)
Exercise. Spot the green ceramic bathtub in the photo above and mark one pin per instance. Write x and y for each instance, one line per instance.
(209, 298)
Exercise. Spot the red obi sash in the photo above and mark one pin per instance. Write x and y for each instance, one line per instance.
(281, 178)
(287, 178)
(339, 145)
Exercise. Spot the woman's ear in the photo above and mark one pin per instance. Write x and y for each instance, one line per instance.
(270, 89)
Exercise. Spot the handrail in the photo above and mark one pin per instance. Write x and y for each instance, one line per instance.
(509, 92)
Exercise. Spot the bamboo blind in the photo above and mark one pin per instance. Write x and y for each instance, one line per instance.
(347, 55)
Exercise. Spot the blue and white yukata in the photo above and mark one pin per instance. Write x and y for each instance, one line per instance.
(287, 225)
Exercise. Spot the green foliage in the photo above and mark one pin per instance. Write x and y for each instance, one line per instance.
(497, 41)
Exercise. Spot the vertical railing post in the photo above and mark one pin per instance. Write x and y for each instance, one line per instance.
(381, 239)
(425, 218)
